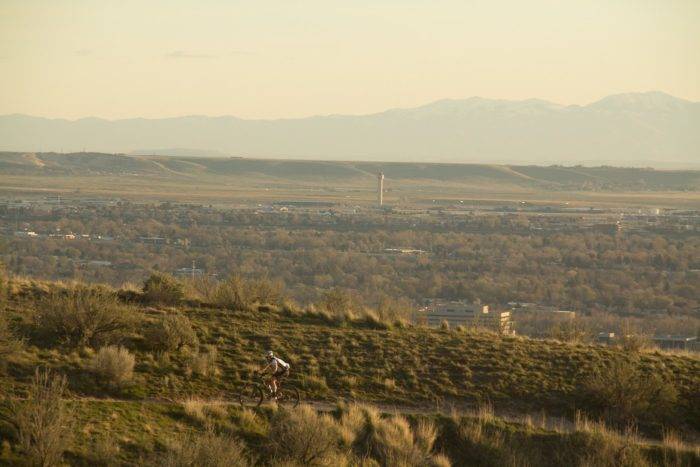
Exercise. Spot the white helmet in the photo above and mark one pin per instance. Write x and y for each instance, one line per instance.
(270, 354)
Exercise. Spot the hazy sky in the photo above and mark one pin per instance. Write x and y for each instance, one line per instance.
(290, 58)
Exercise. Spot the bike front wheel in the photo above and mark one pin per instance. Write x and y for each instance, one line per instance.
(288, 397)
(251, 395)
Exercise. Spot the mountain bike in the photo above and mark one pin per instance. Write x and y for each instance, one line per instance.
(257, 391)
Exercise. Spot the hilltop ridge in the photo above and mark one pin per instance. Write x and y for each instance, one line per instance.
(345, 172)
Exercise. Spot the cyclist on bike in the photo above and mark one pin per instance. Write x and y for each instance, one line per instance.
(279, 369)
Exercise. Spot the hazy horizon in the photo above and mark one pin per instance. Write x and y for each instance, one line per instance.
(269, 60)
(613, 131)
(380, 111)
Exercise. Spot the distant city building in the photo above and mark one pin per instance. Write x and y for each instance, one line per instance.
(677, 342)
(189, 272)
(380, 189)
(26, 233)
(463, 313)
(154, 240)
(611, 228)
(605, 338)
(62, 236)
(534, 307)
(404, 251)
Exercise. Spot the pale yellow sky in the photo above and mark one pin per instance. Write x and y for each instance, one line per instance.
(292, 58)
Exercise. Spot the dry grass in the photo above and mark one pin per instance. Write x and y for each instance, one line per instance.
(204, 411)
(205, 450)
(204, 363)
(389, 440)
(43, 421)
(304, 436)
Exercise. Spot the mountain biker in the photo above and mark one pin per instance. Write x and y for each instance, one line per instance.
(279, 369)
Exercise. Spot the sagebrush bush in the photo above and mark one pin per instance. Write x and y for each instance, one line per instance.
(115, 365)
(602, 449)
(336, 301)
(625, 393)
(163, 289)
(9, 343)
(634, 342)
(206, 450)
(234, 293)
(172, 333)
(392, 440)
(43, 420)
(266, 292)
(394, 443)
(84, 315)
(202, 288)
(304, 436)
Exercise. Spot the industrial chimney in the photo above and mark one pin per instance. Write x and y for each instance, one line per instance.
(380, 189)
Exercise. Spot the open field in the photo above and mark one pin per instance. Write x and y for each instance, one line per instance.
(235, 180)
(227, 192)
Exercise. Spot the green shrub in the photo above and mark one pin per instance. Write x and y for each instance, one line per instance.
(84, 316)
(206, 450)
(163, 289)
(172, 333)
(115, 365)
(43, 421)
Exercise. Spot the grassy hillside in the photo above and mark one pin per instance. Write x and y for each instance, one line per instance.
(147, 376)
(191, 348)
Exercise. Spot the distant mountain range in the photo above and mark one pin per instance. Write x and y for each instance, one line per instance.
(638, 129)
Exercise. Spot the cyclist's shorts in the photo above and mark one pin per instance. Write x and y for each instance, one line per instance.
(281, 372)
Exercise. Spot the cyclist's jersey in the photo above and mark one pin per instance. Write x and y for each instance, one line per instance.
(278, 364)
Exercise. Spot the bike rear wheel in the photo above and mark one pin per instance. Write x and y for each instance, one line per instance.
(288, 397)
(251, 395)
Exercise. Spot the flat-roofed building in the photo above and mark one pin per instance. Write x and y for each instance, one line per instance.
(463, 313)
(677, 342)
